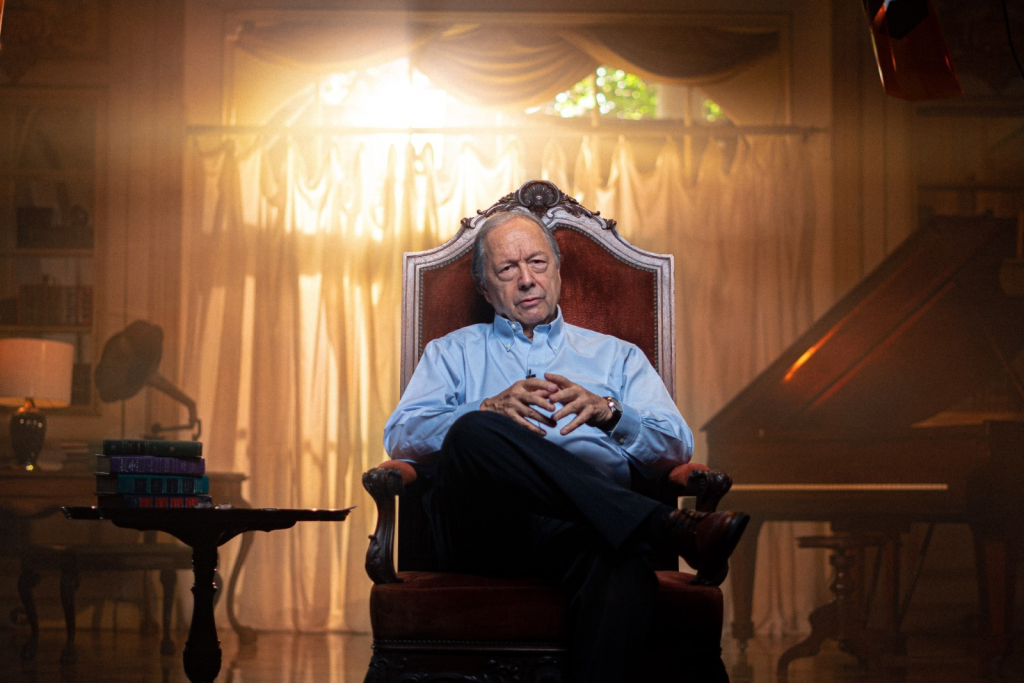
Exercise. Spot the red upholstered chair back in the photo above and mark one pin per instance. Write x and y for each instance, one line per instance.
(608, 285)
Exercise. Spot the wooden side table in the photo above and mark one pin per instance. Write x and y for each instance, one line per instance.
(26, 496)
(204, 530)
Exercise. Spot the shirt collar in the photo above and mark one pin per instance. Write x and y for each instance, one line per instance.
(508, 332)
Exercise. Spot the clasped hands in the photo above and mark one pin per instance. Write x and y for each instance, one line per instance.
(522, 400)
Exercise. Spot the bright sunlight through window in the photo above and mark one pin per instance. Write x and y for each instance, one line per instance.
(388, 96)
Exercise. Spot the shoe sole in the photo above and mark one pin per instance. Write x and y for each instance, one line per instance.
(715, 574)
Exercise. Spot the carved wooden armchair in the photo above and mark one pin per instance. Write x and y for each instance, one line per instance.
(453, 627)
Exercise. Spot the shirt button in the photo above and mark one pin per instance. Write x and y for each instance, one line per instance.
(622, 440)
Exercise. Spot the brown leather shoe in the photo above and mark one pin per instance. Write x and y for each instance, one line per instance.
(705, 540)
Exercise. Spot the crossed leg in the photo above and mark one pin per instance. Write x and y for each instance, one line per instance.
(507, 502)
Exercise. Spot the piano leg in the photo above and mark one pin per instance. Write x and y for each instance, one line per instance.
(993, 515)
(891, 609)
(996, 574)
(741, 574)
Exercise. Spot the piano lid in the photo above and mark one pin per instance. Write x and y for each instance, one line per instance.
(928, 327)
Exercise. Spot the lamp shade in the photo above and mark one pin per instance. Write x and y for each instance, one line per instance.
(39, 369)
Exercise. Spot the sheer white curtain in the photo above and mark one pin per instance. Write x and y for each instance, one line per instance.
(292, 252)
(748, 258)
(291, 300)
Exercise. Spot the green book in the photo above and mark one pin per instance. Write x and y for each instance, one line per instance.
(164, 449)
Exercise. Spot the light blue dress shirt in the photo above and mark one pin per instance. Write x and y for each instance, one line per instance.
(462, 369)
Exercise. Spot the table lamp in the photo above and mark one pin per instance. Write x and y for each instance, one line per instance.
(34, 373)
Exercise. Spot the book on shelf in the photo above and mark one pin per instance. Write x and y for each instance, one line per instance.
(46, 304)
(164, 449)
(155, 501)
(149, 464)
(150, 484)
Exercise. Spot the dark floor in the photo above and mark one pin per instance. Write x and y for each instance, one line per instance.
(122, 657)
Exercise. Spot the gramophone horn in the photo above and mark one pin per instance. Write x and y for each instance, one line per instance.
(130, 361)
(129, 358)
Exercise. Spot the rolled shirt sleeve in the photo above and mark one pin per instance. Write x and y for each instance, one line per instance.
(651, 432)
(434, 399)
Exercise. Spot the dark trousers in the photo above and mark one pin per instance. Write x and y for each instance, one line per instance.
(507, 502)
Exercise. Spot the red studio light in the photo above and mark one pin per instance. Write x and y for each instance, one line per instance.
(913, 60)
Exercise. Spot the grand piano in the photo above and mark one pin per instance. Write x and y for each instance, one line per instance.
(904, 403)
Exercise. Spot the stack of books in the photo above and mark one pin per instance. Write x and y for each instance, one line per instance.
(142, 473)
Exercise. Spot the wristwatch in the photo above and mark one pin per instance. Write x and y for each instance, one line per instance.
(616, 408)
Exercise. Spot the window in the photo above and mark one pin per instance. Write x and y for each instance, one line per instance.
(611, 92)
(617, 94)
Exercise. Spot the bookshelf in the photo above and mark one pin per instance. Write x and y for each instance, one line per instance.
(50, 170)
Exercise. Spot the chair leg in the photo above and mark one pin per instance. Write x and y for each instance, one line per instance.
(169, 580)
(68, 586)
(382, 669)
(26, 582)
(147, 624)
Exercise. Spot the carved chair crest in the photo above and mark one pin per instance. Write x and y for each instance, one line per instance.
(608, 284)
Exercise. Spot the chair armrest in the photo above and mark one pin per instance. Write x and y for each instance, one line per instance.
(391, 478)
(383, 483)
(707, 485)
(409, 474)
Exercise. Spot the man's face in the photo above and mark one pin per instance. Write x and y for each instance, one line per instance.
(521, 275)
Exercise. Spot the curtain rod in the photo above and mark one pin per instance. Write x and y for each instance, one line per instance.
(646, 129)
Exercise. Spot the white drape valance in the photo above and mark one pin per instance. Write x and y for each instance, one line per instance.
(514, 67)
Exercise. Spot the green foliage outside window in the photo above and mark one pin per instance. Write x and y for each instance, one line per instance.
(613, 92)
(712, 112)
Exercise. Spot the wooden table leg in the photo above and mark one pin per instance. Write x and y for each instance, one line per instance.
(68, 586)
(246, 635)
(824, 622)
(202, 655)
(27, 581)
(204, 530)
(843, 619)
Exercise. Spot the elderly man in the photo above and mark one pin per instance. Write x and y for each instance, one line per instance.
(530, 426)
